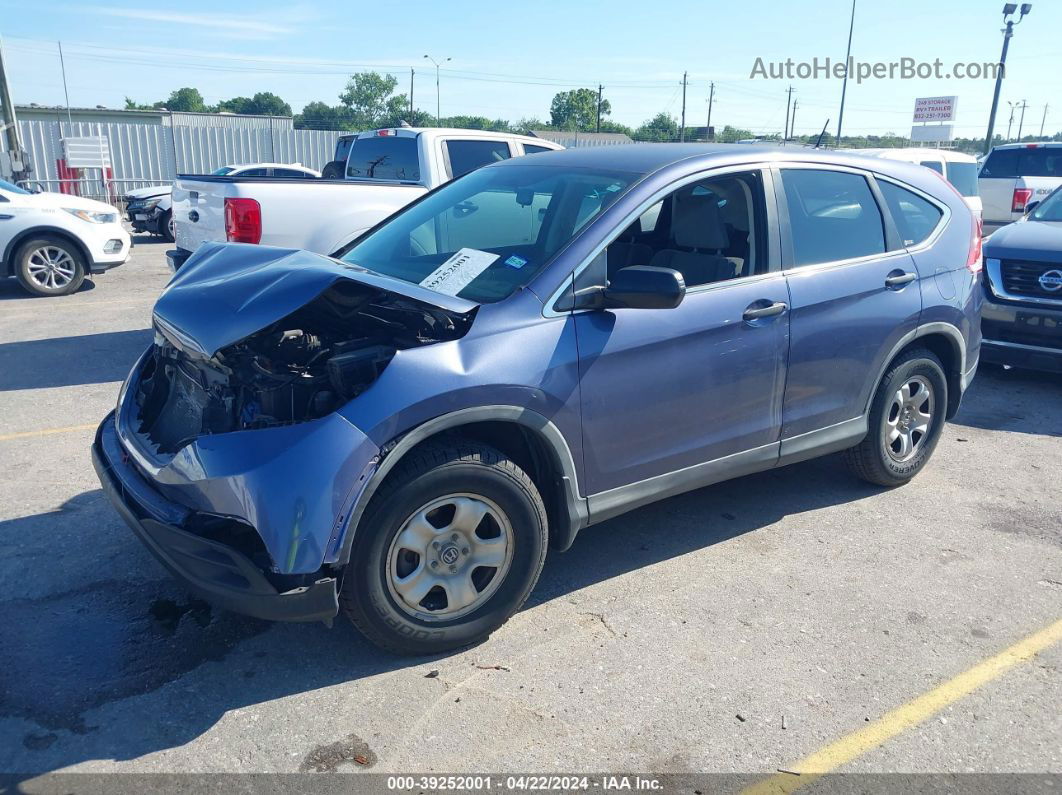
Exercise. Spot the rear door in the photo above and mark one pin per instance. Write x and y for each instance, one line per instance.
(996, 182)
(854, 293)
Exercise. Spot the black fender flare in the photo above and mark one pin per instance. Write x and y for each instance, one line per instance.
(576, 506)
(16, 242)
(958, 343)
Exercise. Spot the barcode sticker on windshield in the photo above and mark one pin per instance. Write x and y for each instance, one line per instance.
(458, 272)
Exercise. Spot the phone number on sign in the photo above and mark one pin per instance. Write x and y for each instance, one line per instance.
(482, 783)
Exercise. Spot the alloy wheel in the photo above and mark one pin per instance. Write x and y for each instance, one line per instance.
(906, 422)
(449, 557)
(51, 267)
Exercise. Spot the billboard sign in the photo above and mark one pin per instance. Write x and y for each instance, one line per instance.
(935, 109)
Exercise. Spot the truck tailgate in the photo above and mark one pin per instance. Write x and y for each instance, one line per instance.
(198, 212)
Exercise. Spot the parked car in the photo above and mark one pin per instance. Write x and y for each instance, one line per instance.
(1014, 175)
(336, 167)
(52, 241)
(538, 346)
(150, 209)
(958, 168)
(1022, 320)
(385, 170)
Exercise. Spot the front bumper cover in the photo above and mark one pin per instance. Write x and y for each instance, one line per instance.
(216, 572)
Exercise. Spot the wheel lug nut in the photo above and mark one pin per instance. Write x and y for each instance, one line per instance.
(434, 544)
(464, 550)
(454, 537)
(435, 564)
(453, 569)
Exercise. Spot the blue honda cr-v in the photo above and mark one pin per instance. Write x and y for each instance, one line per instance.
(402, 430)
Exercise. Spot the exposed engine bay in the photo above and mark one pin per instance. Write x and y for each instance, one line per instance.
(300, 368)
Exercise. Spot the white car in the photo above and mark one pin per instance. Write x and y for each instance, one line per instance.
(51, 241)
(1015, 175)
(956, 167)
(150, 209)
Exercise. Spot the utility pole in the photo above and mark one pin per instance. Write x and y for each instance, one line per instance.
(1021, 120)
(682, 129)
(1010, 121)
(438, 102)
(600, 88)
(792, 121)
(847, 63)
(1043, 121)
(66, 93)
(788, 102)
(19, 168)
(411, 95)
(1008, 31)
(708, 126)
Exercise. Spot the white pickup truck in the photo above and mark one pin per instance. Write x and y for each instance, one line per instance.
(1013, 176)
(385, 170)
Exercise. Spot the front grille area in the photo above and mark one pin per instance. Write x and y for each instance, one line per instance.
(1022, 277)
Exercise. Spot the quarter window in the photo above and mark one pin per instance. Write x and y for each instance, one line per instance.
(466, 156)
(531, 149)
(915, 217)
(832, 216)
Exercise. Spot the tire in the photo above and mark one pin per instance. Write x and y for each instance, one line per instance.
(49, 266)
(389, 568)
(894, 450)
(166, 227)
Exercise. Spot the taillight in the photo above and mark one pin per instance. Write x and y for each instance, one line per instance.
(1021, 198)
(974, 261)
(243, 221)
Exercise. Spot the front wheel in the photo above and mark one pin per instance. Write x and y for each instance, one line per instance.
(48, 266)
(449, 549)
(906, 420)
(167, 227)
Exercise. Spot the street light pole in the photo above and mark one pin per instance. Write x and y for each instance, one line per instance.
(438, 101)
(1021, 120)
(1008, 31)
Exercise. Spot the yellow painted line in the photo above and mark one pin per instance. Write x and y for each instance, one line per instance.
(6, 437)
(925, 706)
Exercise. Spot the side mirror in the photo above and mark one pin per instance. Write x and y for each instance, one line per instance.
(644, 287)
(1031, 206)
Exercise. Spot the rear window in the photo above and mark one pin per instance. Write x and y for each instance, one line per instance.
(466, 156)
(384, 157)
(1040, 162)
(936, 165)
(1001, 163)
(915, 217)
(343, 148)
(964, 177)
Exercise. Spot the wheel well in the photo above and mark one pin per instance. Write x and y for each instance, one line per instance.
(15, 246)
(945, 349)
(529, 451)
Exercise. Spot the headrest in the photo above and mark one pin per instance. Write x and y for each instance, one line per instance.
(696, 222)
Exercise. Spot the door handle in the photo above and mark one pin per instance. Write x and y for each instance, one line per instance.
(899, 278)
(771, 310)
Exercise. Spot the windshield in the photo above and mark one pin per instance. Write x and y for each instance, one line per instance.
(10, 188)
(485, 235)
(220, 172)
(1050, 209)
(963, 176)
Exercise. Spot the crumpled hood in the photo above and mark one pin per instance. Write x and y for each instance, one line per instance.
(226, 292)
(1035, 240)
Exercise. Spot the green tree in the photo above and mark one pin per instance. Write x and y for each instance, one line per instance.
(370, 98)
(577, 110)
(187, 100)
(320, 116)
(731, 134)
(662, 127)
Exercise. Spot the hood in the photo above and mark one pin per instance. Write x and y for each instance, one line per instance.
(1035, 240)
(149, 193)
(58, 200)
(226, 292)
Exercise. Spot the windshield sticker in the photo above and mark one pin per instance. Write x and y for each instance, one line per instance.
(459, 271)
(516, 262)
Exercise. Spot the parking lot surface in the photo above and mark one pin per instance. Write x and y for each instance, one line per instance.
(740, 628)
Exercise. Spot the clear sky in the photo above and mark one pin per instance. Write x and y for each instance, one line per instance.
(509, 58)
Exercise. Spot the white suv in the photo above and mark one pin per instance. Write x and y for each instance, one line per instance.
(52, 241)
(1015, 175)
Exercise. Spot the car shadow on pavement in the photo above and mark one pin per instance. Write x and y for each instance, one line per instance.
(129, 665)
(1021, 401)
(67, 361)
(11, 290)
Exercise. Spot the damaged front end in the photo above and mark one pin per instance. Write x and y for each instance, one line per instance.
(226, 453)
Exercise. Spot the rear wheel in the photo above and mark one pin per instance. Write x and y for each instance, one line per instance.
(48, 266)
(449, 549)
(906, 420)
(167, 228)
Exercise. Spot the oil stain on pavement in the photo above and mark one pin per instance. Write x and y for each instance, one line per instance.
(70, 652)
(351, 750)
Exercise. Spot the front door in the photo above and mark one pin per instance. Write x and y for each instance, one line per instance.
(667, 389)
